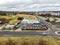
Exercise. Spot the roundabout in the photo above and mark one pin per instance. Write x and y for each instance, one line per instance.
(57, 32)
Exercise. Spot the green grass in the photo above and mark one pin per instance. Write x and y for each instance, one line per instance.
(28, 40)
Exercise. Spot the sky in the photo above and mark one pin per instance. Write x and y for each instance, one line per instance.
(29, 5)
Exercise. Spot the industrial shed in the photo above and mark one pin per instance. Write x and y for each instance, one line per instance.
(24, 21)
(34, 26)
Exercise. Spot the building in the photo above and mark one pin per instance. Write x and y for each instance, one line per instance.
(34, 26)
(9, 26)
(24, 21)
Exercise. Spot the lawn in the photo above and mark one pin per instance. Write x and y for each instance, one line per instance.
(29, 40)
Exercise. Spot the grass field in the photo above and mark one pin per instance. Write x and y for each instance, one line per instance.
(14, 18)
(34, 30)
(29, 40)
(27, 16)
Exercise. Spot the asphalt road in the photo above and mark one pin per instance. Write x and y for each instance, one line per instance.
(50, 32)
(8, 33)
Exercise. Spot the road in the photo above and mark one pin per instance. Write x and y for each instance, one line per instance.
(50, 32)
(8, 33)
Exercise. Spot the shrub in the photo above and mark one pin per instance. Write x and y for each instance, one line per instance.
(3, 28)
(42, 42)
(25, 43)
(10, 42)
(20, 18)
(6, 28)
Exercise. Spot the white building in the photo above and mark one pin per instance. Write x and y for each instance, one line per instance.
(29, 21)
(9, 26)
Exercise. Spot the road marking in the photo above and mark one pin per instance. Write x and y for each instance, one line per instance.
(6, 35)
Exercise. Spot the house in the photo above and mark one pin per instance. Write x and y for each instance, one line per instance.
(3, 20)
(1, 26)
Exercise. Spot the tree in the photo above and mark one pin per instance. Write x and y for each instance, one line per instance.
(20, 18)
(48, 20)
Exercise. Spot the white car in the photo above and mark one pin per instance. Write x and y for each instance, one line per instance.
(44, 34)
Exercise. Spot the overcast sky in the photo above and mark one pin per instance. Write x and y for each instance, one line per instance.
(30, 5)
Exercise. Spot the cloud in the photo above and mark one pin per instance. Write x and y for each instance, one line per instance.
(30, 5)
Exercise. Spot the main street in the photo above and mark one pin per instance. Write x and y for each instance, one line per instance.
(10, 33)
